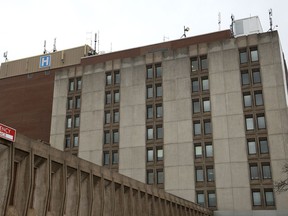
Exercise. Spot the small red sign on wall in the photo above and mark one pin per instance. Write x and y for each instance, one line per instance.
(7, 133)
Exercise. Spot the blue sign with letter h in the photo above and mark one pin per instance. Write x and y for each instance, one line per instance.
(45, 61)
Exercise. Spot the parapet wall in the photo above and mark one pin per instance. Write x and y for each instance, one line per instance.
(37, 179)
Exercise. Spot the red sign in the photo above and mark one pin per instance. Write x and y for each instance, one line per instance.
(7, 133)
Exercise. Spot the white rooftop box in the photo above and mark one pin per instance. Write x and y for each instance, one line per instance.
(247, 26)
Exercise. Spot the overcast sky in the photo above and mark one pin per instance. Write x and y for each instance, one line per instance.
(122, 24)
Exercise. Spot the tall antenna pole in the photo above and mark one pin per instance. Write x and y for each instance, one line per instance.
(5, 55)
(232, 25)
(98, 41)
(54, 45)
(95, 42)
(45, 51)
(219, 21)
(270, 19)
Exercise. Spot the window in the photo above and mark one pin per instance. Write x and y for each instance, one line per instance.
(149, 133)
(247, 99)
(77, 102)
(204, 63)
(117, 77)
(256, 76)
(159, 154)
(256, 196)
(194, 64)
(150, 156)
(206, 105)
(108, 98)
(258, 98)
(76, 121)
(205, 84)
(116, 116)
(149, 112)
(199, 174)
(149, 92)
(211, 199)
(116, 97)
(251, 147)
(159, 111)
(197, 128)
(75, 140)
(107, 117)
(67, 141)
(210, 174)
(200, 198)
(195, 85)
(71, 85)
(149, 72)
(79, 83)
(106, 137)
(196, 106)
(69, 103)
(106, 158)
(150, 177)
(209, 150)
(243, 57)
(158, 90)
(245, 78)
(269, 197)
(158, 71)
(261, 122)
(115, 157)
(249, 123)
(254, 55)
(108, 79)
(115, 136)
(160, 177)
(266, 171)
(159, 132)
(263, 146)
(69, 122)
(207, 127)
(254, 173)
(198, 150)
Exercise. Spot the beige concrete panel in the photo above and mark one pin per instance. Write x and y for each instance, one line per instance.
(132, 115)
(58, 124)
(170, 111)
(91, 120)
(139, 60)
(181, 53)
(138, 75)
(177, 68)
(126, 77)
(264, 51)
(178, 110)
(241, 197)
(215, 62)
(91, 140)
(60, 88)
(93, 82)
(225, 199)
(149, 58)
(219, 126)
(229, 44)
(92, 101)
(284, 120)
(231, 60)
(157, 56)
(108, 65)
(203, 48)
(139, 174)
(184, 131)
(234, 103)
(218, 105)
(232, 81)
(57, 141)
(169, 87)
(276, 147)
(183, 90)
(215, 46)
(193, 50)
(132, 158)
(241, 42)
(268, 76)
(185, 152)
(185, 194)
(217, 83)
(252, 39)
(126, 172)
(281, 97)
(132, 95)
(186, 177)
(221, 151)
(238, 149)
(223, 175)
(271, 96)
(59, 106)
(273, 122)
(171, 176)
(116, 64)
(133, 136)
(171, 155)
(170, 132)
(94, 156)
(240, 175)
(236, 127)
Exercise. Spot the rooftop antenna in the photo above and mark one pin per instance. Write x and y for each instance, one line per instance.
(232, 25)
(164, 38)
(219, 21)
(270, 19)
(186, 29)
(45, 51)
(95, 42)
(5, 55)
(98, 41)
(54, 45)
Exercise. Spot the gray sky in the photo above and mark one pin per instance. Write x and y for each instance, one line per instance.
(122, 24)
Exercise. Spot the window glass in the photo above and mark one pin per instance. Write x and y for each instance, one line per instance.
(211, 199)
(150, 177)
(249, 123)
(78, 102)
(150, 156)
(195, 85)
(254, 55)
(196, 106)
(251, 147)
(71, 85)
(149, 112)
(197, 128)
(115, 157)
(198, 151)
(67, 141)
(149, 91)
(69, 103)
(258, 98)
(207, 127)
(247, 100)
(150, 72)
(269, 198)
(108, 98)
(116, 78)
(254, 174)
(160, 177)
(106, 158)
(245, 78)
(158, 91)
(199, 174)
(256, 198)
(149, 133)
(158, 71)
(261, 122)
(79, 84)
(116, 97)
(69, 122)
(194, 64)
(256, 76)
(159, 154)
(266, 171)
(206, 105)
(75, 140)
(210, 174)
(115, 136)
(159, 132)
(263, 146)
(159, 111)
(205, 84)
(204, 63)
(108, 79)
(243, 57)
(200, 198)
(209, 150)
(116, 116)
(76, 121)
(107, 117)
(106, 137)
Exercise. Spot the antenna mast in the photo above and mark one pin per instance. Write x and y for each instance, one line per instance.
(5, 55)
(219, 21)
(95, 42)
(232, 25)
(45, 51)
(54, 45)
(270, 19)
